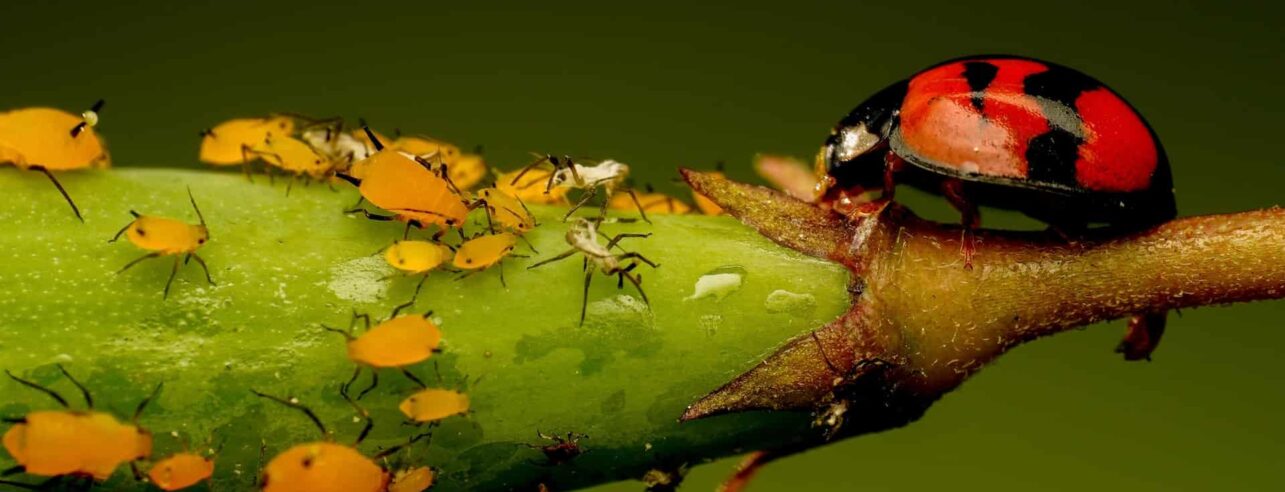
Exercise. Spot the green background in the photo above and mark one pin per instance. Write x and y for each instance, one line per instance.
(660, 86)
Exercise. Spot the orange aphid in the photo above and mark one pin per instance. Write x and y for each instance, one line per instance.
(293, 156)
(398, 342)
(46, 139)
(484, 251)
(412, 480)
(415, 257)
(430, 149)
(233, 141)
(507, 210)
(162, 236)
(467, 171)
(531, 188)
(323, 467)
(658, 203)
(400, 185)
(180, 471)
(432, 404)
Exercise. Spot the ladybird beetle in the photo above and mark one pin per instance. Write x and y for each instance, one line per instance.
(47, 139)
(167, 237)
(83, 443)
(1009, 132)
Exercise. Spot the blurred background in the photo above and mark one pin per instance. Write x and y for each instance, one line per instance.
(665, 85)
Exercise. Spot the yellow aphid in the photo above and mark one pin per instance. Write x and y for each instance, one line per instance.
(507, 210)
(46, 139)
(658, 203)
(180, 471)
(430, 149)
(467, 171)
(398, 342)
(400, 185)
(531, 188)
(323, 467)
(293, 156)
(431, 404)
(232, 141)
(484, 251)
(167, 237)
(412, 480)
(706, 206)
(416, 256)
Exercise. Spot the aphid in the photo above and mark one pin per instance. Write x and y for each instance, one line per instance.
(507, 210)
(341, 148)
(409, 190)
(606, 176)
(427, 148)
(81, 443)
(1011, 132)
(397, 342)
(325, 466)
(181, 470)
(167, 237)
(649, 201)
(467, 171)
(484, 251)
(232, 142)
(433, 404)
(412, 480)
(583, 236)
(528, 185)
(46, 139)
(416, 257)
(561, 450)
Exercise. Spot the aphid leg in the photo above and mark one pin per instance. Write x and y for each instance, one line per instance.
(638, 204)
(347, 336)
(529, 245)
(411, 376)
(89, 400)
(365, 430)
(62, 190)
(572, 166)
(390, 451)
(290, 184)
(292, 404)
(165, 294)
(398, 309)
(584, 299)
(382, 218)
(142, 405)
(588, 195)
(356, 372)
(133, 468)
(954, 191)
(445, 173)
(13, 470)
(500, 264)
(52, 394)
(356, 316)
(135, 262)
(560, 256)
(374, 381)
(200, 261)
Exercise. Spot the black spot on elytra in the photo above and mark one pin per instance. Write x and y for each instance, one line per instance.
(979, 75)
(1059, 84)
(1051, 156)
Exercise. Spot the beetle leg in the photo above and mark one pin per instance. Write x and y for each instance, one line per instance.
(1142, 336)
(971, 220)
(892, 164)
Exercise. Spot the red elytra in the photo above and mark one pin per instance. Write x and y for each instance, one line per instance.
(1009, 132)
(1018, 133)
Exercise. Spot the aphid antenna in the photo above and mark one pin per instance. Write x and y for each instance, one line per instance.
(208, 132)
(33, 385)
(371, 135)
(142, 405)
(356, 316)
(89, 400)
(194, 207)
(390, 451)
(365, 415)
(297, 406)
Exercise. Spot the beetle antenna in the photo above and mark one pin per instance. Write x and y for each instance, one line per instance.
(89, 400)
(53, 394)
(292, 404)
(371, 135)
(194, 207)
(142, 405)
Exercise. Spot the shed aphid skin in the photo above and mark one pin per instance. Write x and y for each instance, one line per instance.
(605, 177)
(341, 148)
(397, 342)
(414, 194)
(583, 236)
(232, 142)
(167, 237)
(485, 251)
(560, 449)
(47, 140)
(325, 466)
(76, 444)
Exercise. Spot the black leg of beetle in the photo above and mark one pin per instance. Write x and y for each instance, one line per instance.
(633, 255)
(52, 394)
(584, 298)
(374, 381)
(588, 195)
(89, 400)
(136, 261)
(562, 256)
(956, 195)
(201, 261)
(411, 376)
(633, 196)
(173, 273)
(58, 185)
